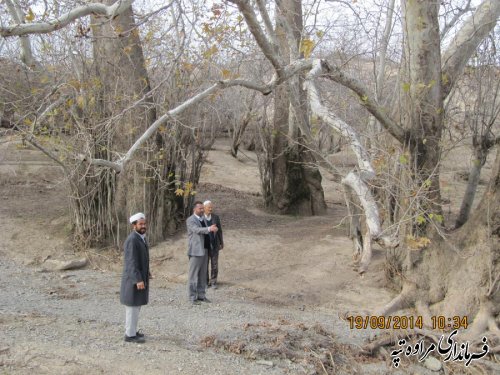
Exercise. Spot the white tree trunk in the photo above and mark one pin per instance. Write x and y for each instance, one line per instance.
(357, 181)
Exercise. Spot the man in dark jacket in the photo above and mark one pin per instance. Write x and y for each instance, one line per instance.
(216, 244)
(134, 291)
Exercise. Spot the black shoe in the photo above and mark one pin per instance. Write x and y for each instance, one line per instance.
(136, 339)
(204, 299)
(139, 334)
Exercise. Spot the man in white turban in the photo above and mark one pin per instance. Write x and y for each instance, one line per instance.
(134, 291)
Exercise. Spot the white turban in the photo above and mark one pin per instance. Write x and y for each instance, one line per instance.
(137, 216)
(206, 202)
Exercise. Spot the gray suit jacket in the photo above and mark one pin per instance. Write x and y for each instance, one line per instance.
(196, 237)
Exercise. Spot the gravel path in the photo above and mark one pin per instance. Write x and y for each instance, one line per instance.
(72, 323)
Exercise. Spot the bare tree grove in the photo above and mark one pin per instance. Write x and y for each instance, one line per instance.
(128, 97)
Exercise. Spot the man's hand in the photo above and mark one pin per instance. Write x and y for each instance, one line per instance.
(140, 285)
(213, 228)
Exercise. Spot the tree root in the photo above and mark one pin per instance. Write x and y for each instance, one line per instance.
(370, 348)
(391, 339)
(484, 320)
(405, 299)
(424, 311)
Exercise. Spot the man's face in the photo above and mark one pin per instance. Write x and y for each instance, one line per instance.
(140, 226)
(209, 208)
(198, 209)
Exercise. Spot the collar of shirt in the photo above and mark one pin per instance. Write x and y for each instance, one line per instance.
(143, 236)
(198, 217)
(209, 217)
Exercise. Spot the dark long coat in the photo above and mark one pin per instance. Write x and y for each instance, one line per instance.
(217, 239)
(135, 270)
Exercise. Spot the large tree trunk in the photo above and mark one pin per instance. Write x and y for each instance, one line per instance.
(448, 274)
(423, 114)
(120, 67)
(106, 199)
(295, 180)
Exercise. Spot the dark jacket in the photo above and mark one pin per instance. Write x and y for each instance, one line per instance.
(217, 240)
(135, 270)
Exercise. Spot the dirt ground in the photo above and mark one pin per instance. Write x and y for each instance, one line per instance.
(286, 284)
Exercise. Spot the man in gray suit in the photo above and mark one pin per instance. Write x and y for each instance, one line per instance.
(198, 245)
(134, 290)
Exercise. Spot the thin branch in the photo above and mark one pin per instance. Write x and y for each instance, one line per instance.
(45, 113)
(32, 140)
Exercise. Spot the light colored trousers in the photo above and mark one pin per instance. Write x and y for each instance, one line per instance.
(197, 277)
(131, 319)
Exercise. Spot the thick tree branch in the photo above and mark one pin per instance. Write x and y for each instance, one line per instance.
(30, 138)
(466, 42)
(85, 10)
(288, 72)
(260, 37)
(336, 75)
(356, 180)
(267, 22)
(116, 166)
(332, 120)
(384, 43)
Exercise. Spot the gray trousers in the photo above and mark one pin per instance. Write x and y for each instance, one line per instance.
(131, 319)
(197, 277)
